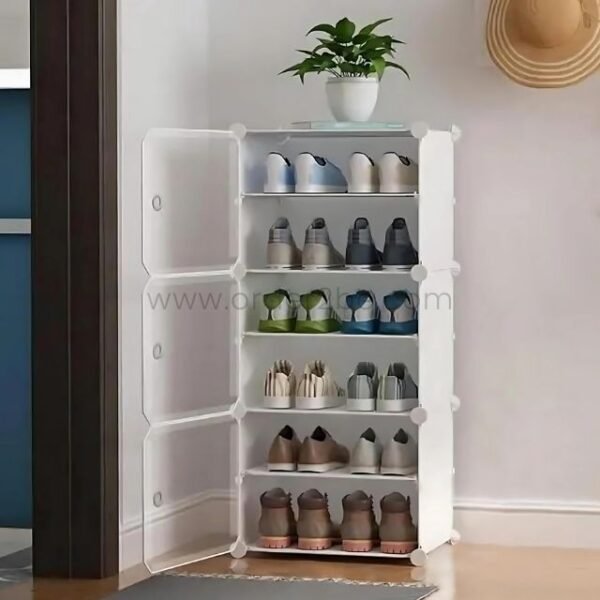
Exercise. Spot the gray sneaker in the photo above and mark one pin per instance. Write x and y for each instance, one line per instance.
(282, 252)
(319, 252)
(366, 456)
(397, 391)
(399, 455)
(362, 387)
(361, 252)
(399, 251)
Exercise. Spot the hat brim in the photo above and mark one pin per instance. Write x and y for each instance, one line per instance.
(543, 67)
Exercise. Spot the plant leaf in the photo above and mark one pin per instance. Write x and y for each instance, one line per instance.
(379, 64)
(324, 27)
(394, 65)
(344, 30)
(370, 28)
(290, 69)
(350, 68)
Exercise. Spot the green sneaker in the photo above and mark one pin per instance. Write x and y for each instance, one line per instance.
(316, 314)
(278, 313)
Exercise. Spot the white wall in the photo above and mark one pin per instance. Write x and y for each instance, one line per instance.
(528, 219)
(14, 34)
(528, 225)
(163, 57)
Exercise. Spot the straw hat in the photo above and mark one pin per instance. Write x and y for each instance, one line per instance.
(545, 43)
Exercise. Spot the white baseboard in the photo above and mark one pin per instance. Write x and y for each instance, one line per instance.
(14, 540)
(174, 525)
(533, 524)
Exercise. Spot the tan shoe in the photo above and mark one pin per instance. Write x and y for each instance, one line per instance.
(283, 455)
(277, 525)
(397, 531)
(320, 453)
(359, 527)
(316, 531)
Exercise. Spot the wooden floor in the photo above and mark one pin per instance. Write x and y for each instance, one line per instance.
(462, 573)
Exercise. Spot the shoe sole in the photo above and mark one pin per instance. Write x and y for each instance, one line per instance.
(323, 468)
(282, 467)
(396, 406)
(398, 470)
(282, 267)
(398, 267)
(318, 403)
(322, 189)
(309, 267)
(317, 327)
(286, 326)
(276, 543)
(361, 404)
(376, 267)
(364, 470)
(314, 544)
(363, 190)
(398, 547)
(401, 189)
(360, 328)
(407, 328)
(358, 545)
(280, 403)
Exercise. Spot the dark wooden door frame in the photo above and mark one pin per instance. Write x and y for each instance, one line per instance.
(75, 288)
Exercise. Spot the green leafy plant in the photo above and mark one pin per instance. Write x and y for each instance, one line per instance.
(344, 52)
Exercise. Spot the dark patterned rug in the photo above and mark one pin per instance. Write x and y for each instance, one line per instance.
(215, 587)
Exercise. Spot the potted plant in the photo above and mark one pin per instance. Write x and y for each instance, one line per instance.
(356, 62)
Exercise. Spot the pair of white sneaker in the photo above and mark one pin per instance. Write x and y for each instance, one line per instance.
(398, 457)
(315, 390)
(394, 174)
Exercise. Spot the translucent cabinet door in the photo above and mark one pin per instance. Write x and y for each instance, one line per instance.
(190, 492)
(190, 200)
(190, 345)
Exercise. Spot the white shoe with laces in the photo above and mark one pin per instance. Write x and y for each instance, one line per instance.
(280, 385)
(317, 388)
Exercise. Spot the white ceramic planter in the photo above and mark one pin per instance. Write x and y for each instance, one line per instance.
(352, 98)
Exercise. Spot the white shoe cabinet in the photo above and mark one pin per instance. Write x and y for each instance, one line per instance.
(205, 229)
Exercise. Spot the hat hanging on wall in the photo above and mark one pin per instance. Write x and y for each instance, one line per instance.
(545, 43)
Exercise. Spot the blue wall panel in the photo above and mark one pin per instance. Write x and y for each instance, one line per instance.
(15, 313)
(15, 155)
(15, 381)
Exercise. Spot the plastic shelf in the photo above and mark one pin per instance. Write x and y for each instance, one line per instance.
(336, 474)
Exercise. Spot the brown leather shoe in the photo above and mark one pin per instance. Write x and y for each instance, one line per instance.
(359, 527)
(397, 531)
(283, 455)
(320, 453)
(315, 528)
(277, 525)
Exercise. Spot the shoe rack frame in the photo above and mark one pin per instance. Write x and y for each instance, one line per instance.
(205, 224)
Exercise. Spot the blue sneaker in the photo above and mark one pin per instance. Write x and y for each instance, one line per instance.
(281, 178)
(399, 315)
(362, 313)
(316, 175)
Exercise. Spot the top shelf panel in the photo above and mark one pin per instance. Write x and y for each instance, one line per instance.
(332, 133)
(340, 195)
